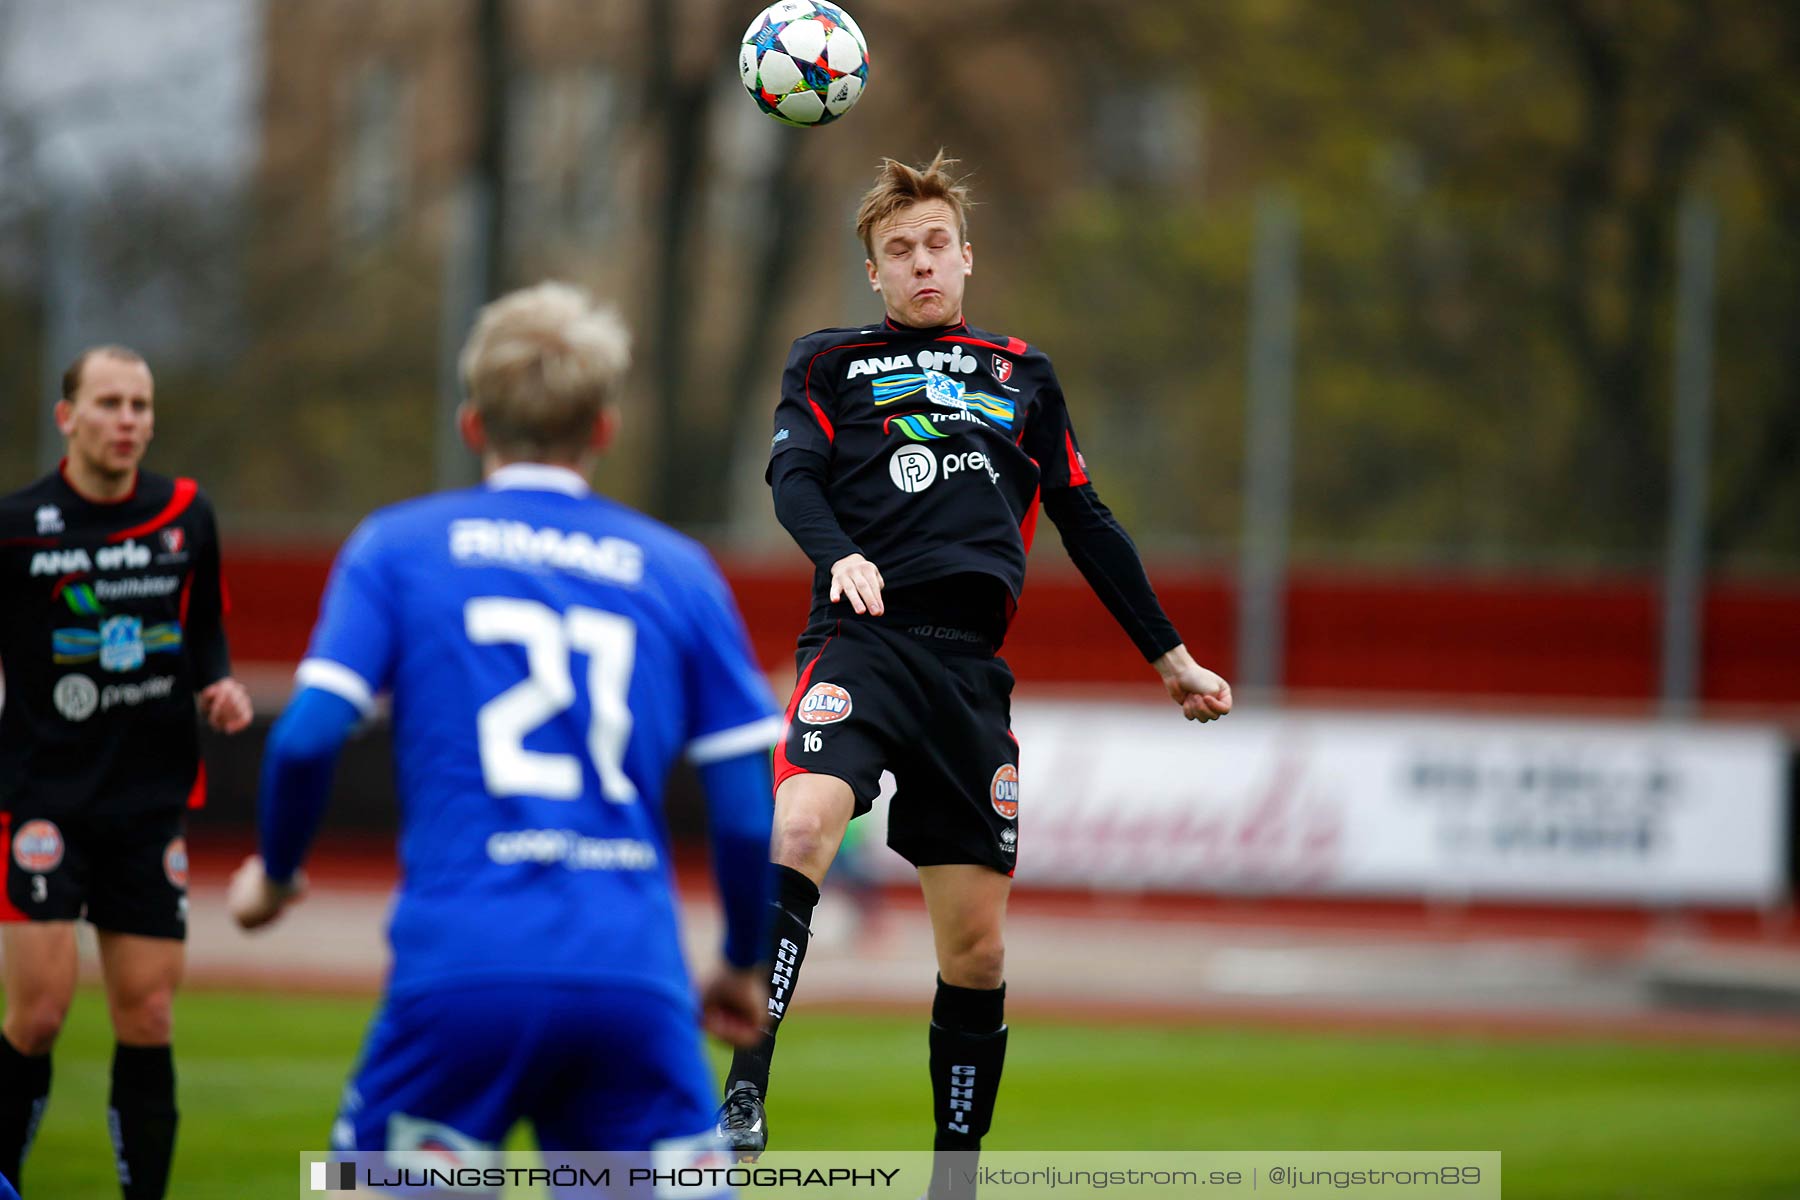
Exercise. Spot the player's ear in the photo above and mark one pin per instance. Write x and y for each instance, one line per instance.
(968, 258)
(468, 423)
(65, 418)
(874, 279)
(606, 425)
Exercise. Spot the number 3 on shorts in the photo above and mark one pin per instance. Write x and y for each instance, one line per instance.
(550, 639)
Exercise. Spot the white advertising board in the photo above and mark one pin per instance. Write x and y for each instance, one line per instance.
(1132, 797)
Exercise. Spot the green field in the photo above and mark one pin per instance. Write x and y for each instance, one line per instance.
(260, 1074)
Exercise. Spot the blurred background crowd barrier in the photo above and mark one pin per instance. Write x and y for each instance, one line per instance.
(1438, 356)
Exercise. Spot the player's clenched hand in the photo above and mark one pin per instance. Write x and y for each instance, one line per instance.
(254, 899)
(857, 578)
(734, 1002)
(1203, 695)
(226, 706)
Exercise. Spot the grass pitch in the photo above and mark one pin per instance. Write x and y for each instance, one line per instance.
(260, 1074)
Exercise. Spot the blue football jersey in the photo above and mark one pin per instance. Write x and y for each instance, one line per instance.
(549, 653)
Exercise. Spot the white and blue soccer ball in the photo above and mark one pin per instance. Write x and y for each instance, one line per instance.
(804, 62)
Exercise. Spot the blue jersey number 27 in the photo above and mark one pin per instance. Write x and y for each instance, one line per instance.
(550, 640)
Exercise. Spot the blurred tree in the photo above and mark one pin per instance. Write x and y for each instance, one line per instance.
(1487, 191)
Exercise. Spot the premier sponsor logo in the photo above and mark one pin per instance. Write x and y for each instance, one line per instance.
(38, 847)
(913, 469)
(953, 359)
(573, 850)
(823, 704)
(130, 695)
(75, 697)
(127, 556)
(1003, 791)
(479, 542)
(970, 460)
(49, 519)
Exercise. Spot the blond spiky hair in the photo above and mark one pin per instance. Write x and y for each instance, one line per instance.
(540, 365)
(899, 186)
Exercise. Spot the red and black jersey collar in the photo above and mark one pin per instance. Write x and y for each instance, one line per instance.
(62, 473)
(888, 323)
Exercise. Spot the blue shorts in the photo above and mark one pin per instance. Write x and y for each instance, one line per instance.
(592, 1068)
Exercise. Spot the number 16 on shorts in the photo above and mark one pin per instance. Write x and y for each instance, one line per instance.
(813, 741)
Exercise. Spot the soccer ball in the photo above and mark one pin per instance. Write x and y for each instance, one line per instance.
(804, 62)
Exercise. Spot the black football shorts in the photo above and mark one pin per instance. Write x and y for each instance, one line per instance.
(875, 698)
(125, 873)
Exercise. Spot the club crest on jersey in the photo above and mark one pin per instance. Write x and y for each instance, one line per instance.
(944, 391)
(1004, 791)
(173, 539)
(38, 846)
(1002, 368)
(175, 862)
(121, 644)
(823, 704)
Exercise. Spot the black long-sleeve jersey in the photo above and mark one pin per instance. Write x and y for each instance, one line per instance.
(110, 621)
(935, 449)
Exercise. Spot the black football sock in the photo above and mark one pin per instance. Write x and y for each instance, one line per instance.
(141, 1117)
(795, 898)
(968, 1050)
(24, 1091)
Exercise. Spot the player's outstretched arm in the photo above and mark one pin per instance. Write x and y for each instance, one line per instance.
(226, 706)
(740, 817)
(256, 900)
(1202, 695)
(296, 782)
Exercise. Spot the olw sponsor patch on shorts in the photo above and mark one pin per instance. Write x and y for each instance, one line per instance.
(1004, 791)
(823, 704)
(38, 846)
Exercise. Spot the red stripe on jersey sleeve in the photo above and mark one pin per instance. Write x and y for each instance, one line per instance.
(1077, 469)
(197, 796)
(185, 490)
(1012, 346)
(1028, 526)
(819, 413)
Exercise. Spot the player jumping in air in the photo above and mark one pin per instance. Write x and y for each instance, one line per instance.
(110, 633)
(550, 654)
(909, 461)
